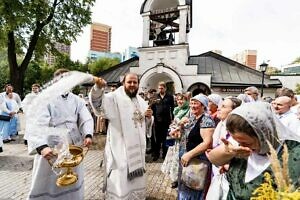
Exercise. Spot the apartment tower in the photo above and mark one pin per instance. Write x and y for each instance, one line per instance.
(100, 37)
(247, 57)
(60, 47)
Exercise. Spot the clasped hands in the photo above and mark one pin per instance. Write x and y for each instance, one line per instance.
(176, 130)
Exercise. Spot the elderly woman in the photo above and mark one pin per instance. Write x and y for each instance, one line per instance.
(252, 125)
(214, 100)
(197, 138)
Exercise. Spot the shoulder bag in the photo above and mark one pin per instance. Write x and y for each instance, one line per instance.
(4, 118)
(195, 174)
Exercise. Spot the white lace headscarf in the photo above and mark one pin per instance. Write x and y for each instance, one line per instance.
(265, 124)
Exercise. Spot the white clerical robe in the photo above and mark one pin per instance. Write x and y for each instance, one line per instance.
(26, 105)
(119, 108)
(66, 113)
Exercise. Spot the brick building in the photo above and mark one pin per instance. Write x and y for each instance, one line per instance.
(100, 37)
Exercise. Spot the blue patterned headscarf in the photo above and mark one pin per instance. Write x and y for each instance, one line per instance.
(202, 99)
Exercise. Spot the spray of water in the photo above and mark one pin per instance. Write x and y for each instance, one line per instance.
(37, 131)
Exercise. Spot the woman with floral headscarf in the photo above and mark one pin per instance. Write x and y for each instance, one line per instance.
(168, 166)
(196, 139)
(252, 125)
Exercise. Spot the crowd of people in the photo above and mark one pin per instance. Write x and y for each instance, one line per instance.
(231, 134)
(206, 141)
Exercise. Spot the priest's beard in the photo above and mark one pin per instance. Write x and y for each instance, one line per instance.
(131, 93)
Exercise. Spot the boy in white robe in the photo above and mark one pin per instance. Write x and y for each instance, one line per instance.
(125, 146)
(69, 112)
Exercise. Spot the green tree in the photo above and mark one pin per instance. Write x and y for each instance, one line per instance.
(4, 74)
(30, 28)
(3, 68)
(32, 75)
(272, 70)
(297, 60)
(64, 61)
(102, 64)
(297, 90)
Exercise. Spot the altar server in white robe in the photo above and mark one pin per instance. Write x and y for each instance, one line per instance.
(26, 104)
(128, 114)
(67, 112)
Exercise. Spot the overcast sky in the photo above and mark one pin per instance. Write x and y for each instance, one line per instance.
(272, 27)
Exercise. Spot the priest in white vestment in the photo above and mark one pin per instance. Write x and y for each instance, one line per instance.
(64, 112)
(125, 148)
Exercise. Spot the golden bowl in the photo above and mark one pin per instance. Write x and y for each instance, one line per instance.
(69, 177)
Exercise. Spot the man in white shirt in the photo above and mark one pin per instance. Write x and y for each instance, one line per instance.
(252, 92)
(289, 93)
(282, 107)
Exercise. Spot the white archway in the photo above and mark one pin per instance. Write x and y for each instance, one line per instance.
(151, 77)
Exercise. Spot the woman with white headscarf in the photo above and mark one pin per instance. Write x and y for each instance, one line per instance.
(195, 140)
(252, 125)
(214, 101)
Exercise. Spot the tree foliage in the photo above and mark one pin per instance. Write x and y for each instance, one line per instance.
(297, 60)
(4, 74)
(64, 61)
(29, 29)
(102, 64)
(272, 70)
(297, 90)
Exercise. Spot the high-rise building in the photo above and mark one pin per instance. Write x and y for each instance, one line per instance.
(62, 48)
(100, 37)
(246, 57)
(130, 52)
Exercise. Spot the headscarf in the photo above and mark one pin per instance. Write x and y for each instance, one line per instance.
(267, 127)
(180, 112)
(265, 124)
(245, 98)
(202, 99)
(215, 98)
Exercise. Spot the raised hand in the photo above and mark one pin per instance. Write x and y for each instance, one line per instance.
(236, 151)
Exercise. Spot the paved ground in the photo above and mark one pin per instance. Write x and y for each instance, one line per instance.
(16, 166)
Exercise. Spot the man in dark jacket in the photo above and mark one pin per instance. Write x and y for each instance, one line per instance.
(163, 115)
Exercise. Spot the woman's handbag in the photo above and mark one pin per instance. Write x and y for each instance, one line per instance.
(5, 118)
(195, 174)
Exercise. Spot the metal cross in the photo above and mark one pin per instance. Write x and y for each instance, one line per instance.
(138, 117)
